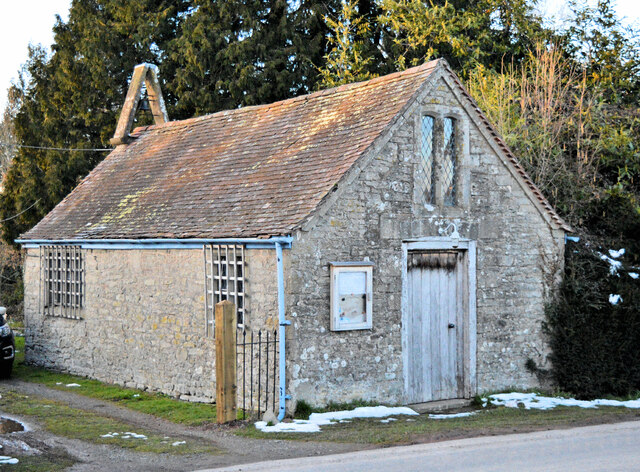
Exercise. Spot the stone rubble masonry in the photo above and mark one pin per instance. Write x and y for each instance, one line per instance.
(143, 321)
(519, 261)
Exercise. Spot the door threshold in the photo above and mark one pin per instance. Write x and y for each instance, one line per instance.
(441, 405)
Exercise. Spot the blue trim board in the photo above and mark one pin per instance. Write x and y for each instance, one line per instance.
(249, 243)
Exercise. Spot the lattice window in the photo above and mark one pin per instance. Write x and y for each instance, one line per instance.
(224, 280)
(62, 281)
(426, 169)
(449, 162)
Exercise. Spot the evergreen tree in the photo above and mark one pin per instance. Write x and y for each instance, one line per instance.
(246, 52)
(71, 98)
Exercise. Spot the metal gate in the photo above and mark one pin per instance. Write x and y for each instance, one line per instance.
(257, 371)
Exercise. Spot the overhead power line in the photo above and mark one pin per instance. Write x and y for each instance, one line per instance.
(47, 148)
(23, 211)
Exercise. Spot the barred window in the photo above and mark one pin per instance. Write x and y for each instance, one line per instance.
(224, 280)
(426, 168)
(449, 163)
(62, 281)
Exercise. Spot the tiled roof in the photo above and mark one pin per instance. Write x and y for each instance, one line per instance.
(251, 172)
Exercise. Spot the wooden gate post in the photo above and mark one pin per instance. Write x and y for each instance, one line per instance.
(226, 361)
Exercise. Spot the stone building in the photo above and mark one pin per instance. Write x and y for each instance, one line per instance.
(416, 254)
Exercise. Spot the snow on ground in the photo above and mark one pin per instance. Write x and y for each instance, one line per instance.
(616, 254)
(312, 425)
(179, 443)
(73, 385)
(614, 299)
(634, 275)
(454, 415)
(613, 264)
(125, 435)
(538, 402)
(8, 460)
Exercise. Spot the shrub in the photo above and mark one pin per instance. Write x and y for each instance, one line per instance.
(595, 344)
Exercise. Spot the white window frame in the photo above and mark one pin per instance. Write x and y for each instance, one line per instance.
(338, 268)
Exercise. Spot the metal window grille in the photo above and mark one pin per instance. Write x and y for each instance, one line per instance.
(62, 280)
(224, 280)
(449, 164)
(426, 168)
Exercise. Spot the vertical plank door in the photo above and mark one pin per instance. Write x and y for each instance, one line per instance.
(435, 325)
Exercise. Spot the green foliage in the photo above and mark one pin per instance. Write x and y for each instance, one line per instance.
(595, 344)
(346, 62)
(238, 53)
(303, 410)
(466, 33)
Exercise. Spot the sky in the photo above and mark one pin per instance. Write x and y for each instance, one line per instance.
(24, 22)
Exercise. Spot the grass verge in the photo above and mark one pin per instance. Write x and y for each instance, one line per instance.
(73, 423)
(420, 429)
(39, 463)
(162, 406)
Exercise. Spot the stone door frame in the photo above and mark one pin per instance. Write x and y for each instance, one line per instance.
(470, 338)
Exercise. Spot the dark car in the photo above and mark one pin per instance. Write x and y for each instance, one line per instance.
(7, 346)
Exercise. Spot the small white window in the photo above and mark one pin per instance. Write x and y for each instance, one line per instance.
(351, 287)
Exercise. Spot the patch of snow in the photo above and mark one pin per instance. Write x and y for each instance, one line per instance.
(58, 383)
(410, 420)
(634, 275)
(614, 299)
(537, 402)
(136, 395)
(8, 460)
(388, 420)
(126, 435)
(312, 425)
(613, 264)
(454, 415)
(297, 426)
(179, 443)
(73, 385)
(616, 254)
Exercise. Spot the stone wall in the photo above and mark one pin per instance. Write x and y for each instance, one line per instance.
(518, 261)
(143, 320)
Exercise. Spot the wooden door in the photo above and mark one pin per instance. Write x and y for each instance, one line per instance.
(435, 331)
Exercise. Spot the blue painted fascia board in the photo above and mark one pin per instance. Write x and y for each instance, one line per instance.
(158, 243)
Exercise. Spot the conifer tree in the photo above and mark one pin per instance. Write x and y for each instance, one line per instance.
(72, 97)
